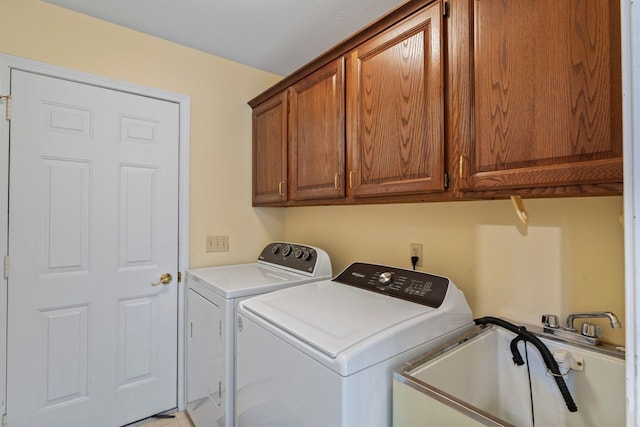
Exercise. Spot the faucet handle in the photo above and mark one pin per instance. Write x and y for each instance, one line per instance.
(550, 320)
(590, 330)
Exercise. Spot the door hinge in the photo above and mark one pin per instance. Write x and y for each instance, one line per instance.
(6, 267)
(7, 99)
(445, 11)
(446, 180)
(179, 276)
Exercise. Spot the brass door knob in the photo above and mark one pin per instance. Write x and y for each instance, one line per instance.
(165, 279)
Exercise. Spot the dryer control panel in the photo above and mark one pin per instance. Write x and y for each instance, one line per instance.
(410, 285)
(290, 255)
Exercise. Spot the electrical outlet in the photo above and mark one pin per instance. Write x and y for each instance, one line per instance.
(217, 244)
(416, 250)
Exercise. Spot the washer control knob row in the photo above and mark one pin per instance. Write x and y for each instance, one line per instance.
(302, 254)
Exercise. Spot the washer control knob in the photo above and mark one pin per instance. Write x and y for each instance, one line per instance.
(287, 250)
(306, 254)
(275, 249)
(298, 253)
(385, 278)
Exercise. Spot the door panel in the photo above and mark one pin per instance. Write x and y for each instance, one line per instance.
(138, 199)
(93, 214)
(63, 356)
(270, 151)
(317, 138)
(64, 195)
(136, 344)
(395, 86)
(546, 106)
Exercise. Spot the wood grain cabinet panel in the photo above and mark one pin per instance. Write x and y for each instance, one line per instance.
(395, 109)
(317, 135)
(546, 105)
(270, 151)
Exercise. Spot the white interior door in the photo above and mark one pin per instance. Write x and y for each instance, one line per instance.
(93, 221)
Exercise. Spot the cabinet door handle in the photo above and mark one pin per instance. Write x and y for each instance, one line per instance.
(336, 181)
(280, 184)
(351, 174)
(463, 157)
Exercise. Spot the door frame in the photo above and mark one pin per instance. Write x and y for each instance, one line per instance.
(9, 62)
(630, 16)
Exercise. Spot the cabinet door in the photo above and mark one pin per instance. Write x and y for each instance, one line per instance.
(547, 95)
(395, 109)
(316, 135)
(270, 151)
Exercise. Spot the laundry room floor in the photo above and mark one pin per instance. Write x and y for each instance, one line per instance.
(181, 420)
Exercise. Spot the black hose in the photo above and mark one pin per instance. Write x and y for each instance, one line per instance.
(517, 357)
(547, 357)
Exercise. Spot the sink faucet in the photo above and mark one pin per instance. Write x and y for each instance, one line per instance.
(613, 320)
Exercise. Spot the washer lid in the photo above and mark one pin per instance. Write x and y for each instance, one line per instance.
(332, 317)
(245, 279)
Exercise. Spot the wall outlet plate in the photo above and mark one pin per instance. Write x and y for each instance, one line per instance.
(416, 250)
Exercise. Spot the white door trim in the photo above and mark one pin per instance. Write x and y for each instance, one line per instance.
(7, 63)
(630, 13)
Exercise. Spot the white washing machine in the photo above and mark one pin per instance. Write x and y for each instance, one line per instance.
(323, 354)
(212, 297)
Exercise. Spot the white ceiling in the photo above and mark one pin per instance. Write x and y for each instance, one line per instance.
(278, 36)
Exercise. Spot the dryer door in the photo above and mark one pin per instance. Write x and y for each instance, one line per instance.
(204, 355)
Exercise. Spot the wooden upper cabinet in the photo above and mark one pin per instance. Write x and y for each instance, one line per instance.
(270, 151)
(317, 135)
(546, 103)
(395, 109)
(530, 93)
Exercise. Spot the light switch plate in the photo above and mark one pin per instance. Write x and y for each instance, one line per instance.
(217, 244)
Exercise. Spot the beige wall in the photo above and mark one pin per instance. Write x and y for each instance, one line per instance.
(220, 117)
(569, 258)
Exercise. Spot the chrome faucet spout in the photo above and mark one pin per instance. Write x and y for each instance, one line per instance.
(613, 320)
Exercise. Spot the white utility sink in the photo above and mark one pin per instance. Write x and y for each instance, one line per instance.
(473, 381)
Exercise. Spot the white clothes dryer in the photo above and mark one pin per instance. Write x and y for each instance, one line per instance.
(212, 297)
(323, 354)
